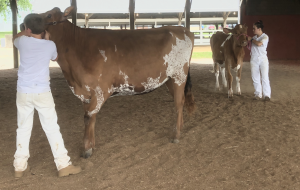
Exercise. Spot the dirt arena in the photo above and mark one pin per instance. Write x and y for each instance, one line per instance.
(232, 144)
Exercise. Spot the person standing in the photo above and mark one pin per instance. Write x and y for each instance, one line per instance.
(33, 92)
(259, 62)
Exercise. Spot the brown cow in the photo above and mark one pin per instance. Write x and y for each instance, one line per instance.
(99, 64)
(228, 53)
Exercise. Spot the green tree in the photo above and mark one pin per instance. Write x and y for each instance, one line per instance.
(5, 6)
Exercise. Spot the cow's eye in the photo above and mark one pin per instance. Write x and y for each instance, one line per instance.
(49, 16)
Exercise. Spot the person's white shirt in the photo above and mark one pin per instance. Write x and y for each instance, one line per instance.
(260, 50)
(35, 56)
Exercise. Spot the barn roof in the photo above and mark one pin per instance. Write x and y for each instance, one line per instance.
(141, 6)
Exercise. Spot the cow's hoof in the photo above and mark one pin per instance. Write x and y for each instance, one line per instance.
(175, 141)
(239, 93)
(88, 153)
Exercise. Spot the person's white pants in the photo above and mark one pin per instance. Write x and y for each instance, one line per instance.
(260, 76)
(45, 106)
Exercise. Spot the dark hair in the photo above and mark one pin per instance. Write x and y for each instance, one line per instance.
(259, 24)
(35, 22)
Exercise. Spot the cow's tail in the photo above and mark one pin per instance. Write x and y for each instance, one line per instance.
(189, 97)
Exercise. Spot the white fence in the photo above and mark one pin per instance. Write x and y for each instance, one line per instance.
(202, 37)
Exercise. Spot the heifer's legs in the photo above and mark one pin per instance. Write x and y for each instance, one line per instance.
(98, 97)
(179, 99)
(238, 79)
(178, 94)
(216, 70)
(224, 81)
(89, 135)
(169, 85)
(229, 81)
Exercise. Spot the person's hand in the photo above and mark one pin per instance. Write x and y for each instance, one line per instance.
(47, 35)
(43, 35)
(249, 38)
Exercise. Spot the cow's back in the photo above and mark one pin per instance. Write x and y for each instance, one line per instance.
(133, 55)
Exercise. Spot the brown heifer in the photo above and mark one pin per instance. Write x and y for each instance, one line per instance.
(99, 64)
(228, 53)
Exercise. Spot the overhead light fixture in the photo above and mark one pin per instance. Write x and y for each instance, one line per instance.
(234, 13)
(137, 14)
(86, 14)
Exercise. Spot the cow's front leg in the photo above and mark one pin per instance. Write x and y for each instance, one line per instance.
(229, 83)
(216, 70)
(224, 81)
(89, 135)
(91, 109)
(238, 80)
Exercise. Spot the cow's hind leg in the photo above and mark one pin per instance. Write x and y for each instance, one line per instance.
(169, 85)
(178, 94)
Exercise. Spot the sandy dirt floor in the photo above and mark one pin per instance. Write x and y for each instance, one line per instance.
(232, 144)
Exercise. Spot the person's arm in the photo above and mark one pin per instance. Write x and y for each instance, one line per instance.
(46, 35)
(19, 34)
(56, 58)
(258, 43)
(17, 37)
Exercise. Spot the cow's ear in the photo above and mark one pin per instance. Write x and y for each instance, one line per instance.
(68, 11)
(226, 30)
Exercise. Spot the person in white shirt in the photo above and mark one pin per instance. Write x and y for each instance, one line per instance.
(33, 92)
(259, 62)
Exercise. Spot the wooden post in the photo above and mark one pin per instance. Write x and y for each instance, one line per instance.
(74, 12)
(14, 9)
(179, 18)
(187, 22)
(131, 13)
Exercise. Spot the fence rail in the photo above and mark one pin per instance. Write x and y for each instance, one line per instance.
(202, 37)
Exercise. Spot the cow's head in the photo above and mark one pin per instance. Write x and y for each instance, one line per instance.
(239, 34)
(55, 16)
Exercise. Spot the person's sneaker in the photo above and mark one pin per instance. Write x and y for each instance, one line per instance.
(256, 98)
(267, 98)
(19, 174)
(69, 170)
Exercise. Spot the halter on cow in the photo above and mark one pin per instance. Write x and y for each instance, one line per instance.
(99, 64)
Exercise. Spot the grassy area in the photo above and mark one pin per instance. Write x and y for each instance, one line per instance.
(200, 55)
(2, 34)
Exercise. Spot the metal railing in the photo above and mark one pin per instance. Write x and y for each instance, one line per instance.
(202, 37)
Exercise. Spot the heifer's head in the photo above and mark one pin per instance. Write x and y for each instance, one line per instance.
(239, 34)
(55, 16)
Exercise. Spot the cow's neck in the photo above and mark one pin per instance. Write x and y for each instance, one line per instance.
(64, 36)
(238, 53)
